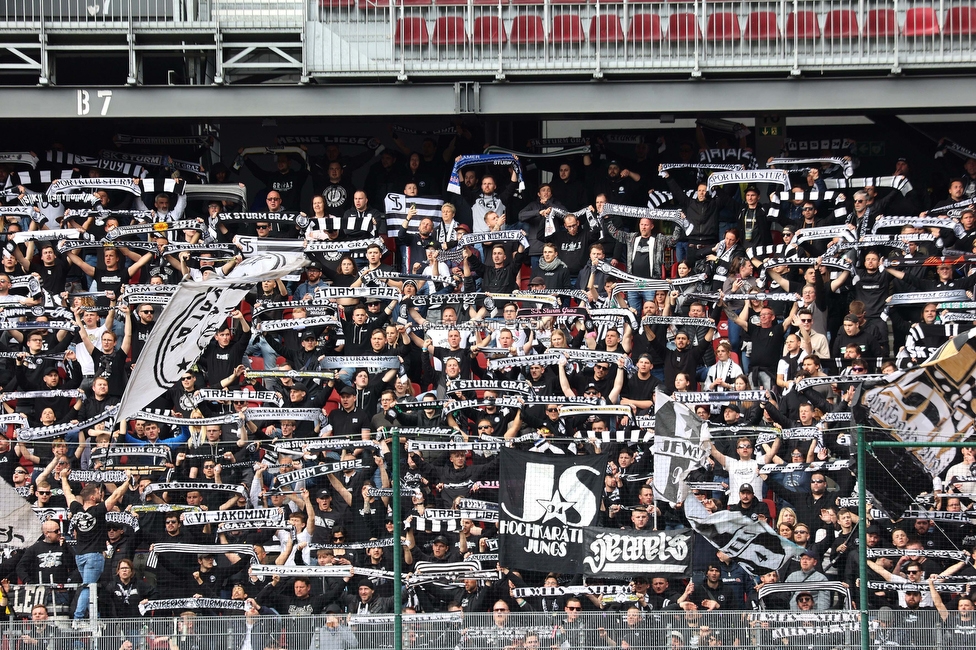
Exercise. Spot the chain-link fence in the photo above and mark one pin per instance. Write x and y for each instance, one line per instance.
(608, 629)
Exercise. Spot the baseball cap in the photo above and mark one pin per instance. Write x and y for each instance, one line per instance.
(441, 539)
(810, 553)
(298, 385)
(323, 494)
(746, 487)
(347, 390)
(309, 336)
(537, 280)
(851, 318)
(333, 609)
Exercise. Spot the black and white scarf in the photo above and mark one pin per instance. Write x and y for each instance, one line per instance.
(794, 163)
(196, 549)
(322, 469)
(899, 183)
(194, 604)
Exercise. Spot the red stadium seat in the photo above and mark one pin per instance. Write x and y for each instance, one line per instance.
(723, 26)
(921, 21)
(683, 28)
(762, 26)
(257, 363)
(528, 30)
(841, 23)
(567, 29)
(411, 31)
(881, 23)
(802, 25)
(449, 30)
(607, 28)
(645, 28)
(960, 21)
(488, 30)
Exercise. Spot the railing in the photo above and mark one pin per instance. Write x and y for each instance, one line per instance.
(828, 631)
(152, 14)
(443, 37)
(448, 38)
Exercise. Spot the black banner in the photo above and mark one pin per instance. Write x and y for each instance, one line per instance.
(546, 501)
(622, 553)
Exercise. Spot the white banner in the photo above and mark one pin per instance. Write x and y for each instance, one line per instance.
(21, 527)
(189, 322)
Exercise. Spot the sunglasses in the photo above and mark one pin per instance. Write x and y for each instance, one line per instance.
(744, 447)
(804, 599)
(573, 609)
(262, 227)
(44, 492)
(806, 320)
(552, 410)
(484, 428)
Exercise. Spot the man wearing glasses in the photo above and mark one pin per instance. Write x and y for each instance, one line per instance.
(48, 561)
(572, 243)
(744, 468)
(283, 181)
(573, 632)
(808, 573)
(141, 327)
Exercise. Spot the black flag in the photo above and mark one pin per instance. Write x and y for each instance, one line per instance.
(546, 501)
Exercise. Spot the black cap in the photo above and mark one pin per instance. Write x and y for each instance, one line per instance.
(323, 494)
(347, 390)
(788, 230)
(873, 529)
(333, 609)
(614, 162)
(298, 385)
(810, 553)
(309, 336)
(851, 318)
(441, 539)
(734, 407)
(746, 487)
(314, 266)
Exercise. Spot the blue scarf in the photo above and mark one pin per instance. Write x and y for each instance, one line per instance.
(483, 159)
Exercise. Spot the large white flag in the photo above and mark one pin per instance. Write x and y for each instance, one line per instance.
(20, 527)
(189, 322)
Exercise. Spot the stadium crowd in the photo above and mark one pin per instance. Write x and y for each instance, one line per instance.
(429, 313)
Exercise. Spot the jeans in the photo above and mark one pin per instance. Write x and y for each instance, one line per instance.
(680, 251)
(636, 299)
(259, 346)
(90, 566)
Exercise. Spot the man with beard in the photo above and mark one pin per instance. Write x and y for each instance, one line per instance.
(619, 185)
(295, 603)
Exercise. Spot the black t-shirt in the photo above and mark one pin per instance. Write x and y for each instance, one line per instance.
(111, 280)
(52, 277)
(8, 463)
(767, 346)
(641, 264)
(89, 526)
(140, 334)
